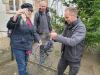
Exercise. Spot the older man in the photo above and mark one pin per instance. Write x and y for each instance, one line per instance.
(43, 26)
(72, 42)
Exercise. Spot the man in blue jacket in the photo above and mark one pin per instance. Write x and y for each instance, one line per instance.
(72, 42)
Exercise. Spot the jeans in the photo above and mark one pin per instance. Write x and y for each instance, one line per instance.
(21, 59)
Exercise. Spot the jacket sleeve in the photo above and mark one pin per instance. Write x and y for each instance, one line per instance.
(76, 38)
(50, 27)
(49, 22)
(35, 20)
(11, 24)
(36, 35)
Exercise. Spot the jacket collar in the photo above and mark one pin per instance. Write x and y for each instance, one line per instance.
(74, 24)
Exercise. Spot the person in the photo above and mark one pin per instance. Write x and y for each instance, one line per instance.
(72, 42)
(22, 36)
(43, 27)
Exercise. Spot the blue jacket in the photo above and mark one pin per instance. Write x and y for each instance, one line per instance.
(22, 35)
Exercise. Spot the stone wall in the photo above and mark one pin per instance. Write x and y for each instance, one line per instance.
(4, 17)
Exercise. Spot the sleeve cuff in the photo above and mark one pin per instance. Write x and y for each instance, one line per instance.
(58, 38)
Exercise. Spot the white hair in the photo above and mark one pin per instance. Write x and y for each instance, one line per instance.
(72, 10)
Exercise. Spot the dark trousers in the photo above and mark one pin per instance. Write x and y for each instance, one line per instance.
(62, 65)
(44, 38)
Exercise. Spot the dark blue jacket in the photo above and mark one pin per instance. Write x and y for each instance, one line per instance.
(22, 35)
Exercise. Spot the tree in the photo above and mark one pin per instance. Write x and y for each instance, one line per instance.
(89, 12)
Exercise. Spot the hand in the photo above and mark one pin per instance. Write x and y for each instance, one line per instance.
(23, 17)
(53, 35)
(23, 13)
(40, 43)
(19, 12)
(26, 12)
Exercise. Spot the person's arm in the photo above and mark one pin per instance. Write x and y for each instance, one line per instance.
(36, 20)
(12, 23)
(36, 35)
(49, 22)
(14, 20)
(77, 37)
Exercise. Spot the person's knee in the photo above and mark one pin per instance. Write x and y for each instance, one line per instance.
(61, 67)
(73, 70)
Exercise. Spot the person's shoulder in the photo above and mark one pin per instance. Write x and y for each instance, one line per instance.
(81, 26)
(80, 23)
(36, 13)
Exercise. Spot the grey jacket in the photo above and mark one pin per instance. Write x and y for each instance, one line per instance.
(73, 41)
(38, 24)
(22, 35)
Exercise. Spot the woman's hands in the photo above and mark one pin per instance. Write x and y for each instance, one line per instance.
(23, 12)
(19, 12)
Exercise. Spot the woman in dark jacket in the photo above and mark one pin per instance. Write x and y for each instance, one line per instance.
(22, 36)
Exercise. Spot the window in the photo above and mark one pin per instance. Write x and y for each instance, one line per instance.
(15, 5)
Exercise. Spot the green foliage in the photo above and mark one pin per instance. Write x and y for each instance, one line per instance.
(89, 12)
(91, 17)
(57, 21)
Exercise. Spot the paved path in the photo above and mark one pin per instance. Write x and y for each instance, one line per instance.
(89, 66)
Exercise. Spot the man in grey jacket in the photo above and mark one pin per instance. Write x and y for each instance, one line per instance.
(43, 26)
(72, 42)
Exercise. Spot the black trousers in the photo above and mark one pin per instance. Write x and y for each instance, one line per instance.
(73, 67)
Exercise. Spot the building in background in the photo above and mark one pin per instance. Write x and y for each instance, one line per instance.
(8, 9)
